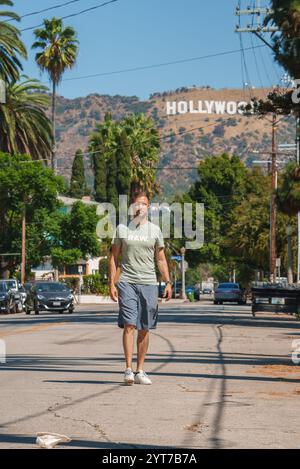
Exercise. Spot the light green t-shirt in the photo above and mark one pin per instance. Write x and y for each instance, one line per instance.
(138, 251)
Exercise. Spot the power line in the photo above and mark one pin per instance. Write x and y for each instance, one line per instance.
(163, 64)
(254, 54)
(75, 14)
(33, 13)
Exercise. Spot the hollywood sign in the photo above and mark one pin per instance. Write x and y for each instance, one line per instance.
(205, 107)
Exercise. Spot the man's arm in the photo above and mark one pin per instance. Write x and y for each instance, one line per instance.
(164, 270)
(113, 266)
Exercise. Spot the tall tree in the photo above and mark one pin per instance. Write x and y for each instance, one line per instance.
(78, 183)
(11, 46)
(102, 146)
(59, 49)
(144, 145)
(25, 127)
(111, 182)
(124, 174)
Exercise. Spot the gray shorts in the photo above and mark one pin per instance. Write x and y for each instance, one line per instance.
(138, 305)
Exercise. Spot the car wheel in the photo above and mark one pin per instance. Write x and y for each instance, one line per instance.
(36, 309)
(216, 302)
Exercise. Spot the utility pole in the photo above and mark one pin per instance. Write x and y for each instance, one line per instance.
(298, 162)
(183, 294)
(273, 214)
(23, 265)
(256, 28)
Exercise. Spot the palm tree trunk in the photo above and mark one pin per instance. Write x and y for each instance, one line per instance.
(53, 161)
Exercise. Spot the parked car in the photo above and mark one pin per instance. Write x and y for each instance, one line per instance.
(10, 300)
(207, 291)
(17, 287)
(231, 292)
(50, 296)
(12, 283)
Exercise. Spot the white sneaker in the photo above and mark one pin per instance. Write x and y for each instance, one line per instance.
(142, 378)
(128, 377)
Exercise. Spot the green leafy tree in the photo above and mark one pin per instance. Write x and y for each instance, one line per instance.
(220, 187)
(58, 52)
(61, 257)
(27, 188)
(78, 230)
(24, 125)
(248, 237)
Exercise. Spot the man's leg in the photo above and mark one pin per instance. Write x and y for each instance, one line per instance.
(128, 343)
(142, 348)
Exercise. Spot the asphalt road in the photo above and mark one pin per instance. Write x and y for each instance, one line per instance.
(221, 379)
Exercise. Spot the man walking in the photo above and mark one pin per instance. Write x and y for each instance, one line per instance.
(139, 244)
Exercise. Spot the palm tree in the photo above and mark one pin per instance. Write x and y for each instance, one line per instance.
(59, 49)
(25, 128)
(143, 142)
(11, 46)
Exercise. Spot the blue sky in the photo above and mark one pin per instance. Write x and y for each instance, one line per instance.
(135, 33)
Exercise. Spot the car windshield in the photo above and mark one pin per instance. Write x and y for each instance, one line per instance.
(3, 287)
(229, 285)
(11, 283)
(51, 287)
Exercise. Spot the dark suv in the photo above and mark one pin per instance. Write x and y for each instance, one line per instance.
(10, 300)
(49, 296)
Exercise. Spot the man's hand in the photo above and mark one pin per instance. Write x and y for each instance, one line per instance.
(113, 293)
(168, 292)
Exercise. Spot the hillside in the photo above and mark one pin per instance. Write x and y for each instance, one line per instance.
(204, 131)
